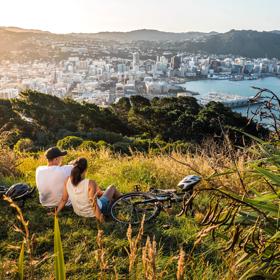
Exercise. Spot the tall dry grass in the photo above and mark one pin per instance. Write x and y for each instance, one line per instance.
(134, 247)
(181, 265)
(8, 161)
(101, 255)
(157, 170)
(149, 254)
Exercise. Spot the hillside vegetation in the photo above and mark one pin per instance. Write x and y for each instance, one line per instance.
(79, 235)
(179, 247)
(232, 232)
(45, 119)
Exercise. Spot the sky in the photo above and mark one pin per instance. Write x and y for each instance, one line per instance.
(66, 16)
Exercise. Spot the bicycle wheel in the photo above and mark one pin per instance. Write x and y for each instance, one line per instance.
(130, 208)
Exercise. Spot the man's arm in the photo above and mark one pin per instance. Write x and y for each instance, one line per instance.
(64, 198)
(92, 194)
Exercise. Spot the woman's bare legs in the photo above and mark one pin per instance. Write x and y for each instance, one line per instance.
(112, 193)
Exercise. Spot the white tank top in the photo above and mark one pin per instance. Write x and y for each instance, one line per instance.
(79, 198)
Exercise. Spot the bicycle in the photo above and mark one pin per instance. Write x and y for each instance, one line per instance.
(132, 207)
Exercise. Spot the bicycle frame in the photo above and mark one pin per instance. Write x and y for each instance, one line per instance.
(163, 197)
(130, 208)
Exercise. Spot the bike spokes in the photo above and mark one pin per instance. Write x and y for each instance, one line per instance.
(131, 209)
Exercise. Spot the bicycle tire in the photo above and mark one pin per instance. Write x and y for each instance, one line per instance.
(122, 210)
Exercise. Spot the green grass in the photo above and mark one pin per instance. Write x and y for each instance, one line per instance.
(78, 234)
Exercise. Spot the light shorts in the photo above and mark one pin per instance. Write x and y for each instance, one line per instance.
(104, 204)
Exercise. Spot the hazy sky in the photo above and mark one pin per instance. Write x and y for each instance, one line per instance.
(63, 16)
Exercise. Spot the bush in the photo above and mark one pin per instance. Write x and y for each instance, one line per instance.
(24, 145)
(92, 145)
(8, 162)
(107, 136)
(101, 144)
(121, 147)
(88, 145)
(141, 145)
(69, 142)
(11, 137)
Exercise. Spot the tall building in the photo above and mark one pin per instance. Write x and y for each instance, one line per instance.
(136, 60)
(175, 62)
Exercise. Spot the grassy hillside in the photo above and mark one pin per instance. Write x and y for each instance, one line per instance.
(79, 236)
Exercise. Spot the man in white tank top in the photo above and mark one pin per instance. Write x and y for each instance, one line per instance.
(51, 177)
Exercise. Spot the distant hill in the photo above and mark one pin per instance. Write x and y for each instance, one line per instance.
(21, 30)
(247, 43)
(19, 39)
(150, 35)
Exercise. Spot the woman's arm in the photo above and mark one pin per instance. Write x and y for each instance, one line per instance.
(64, 198)
(98, 191)
(92, 194)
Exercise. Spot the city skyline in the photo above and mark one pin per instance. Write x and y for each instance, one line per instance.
(87, 16)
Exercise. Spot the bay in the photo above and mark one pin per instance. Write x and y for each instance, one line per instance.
(241, 88)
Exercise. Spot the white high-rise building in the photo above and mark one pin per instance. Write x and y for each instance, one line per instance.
(136, 60)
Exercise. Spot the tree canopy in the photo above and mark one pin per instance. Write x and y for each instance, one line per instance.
(45, 119)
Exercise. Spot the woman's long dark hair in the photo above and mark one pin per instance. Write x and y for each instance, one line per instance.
(80, 165)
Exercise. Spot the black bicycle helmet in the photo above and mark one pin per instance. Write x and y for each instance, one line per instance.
(189, 182)
(19, 191)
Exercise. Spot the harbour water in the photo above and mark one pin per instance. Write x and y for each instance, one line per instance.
(240, 88)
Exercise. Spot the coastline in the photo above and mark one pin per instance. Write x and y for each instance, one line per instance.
(181, 81)
(229, 88)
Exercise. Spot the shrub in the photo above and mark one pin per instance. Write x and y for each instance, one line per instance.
(8, 162)
(88, 145)
(24, 145)
(69, 142)
(92, 145)
(10, 137)
(251, 225)
(107, 136)
(144, 145)
(121, 147)
(101, 144)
